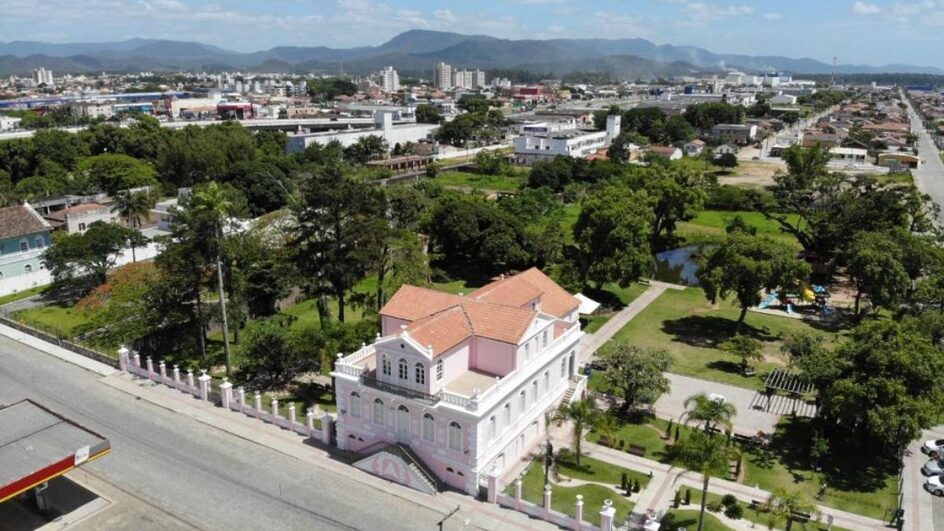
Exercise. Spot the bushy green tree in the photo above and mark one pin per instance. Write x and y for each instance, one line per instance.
(87, 255)
(635, 374)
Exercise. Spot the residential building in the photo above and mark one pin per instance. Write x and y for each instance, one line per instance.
(737, 133)
(545, 141)
(668, 152)
(849, 154)
(76, 219)
(695, 147)
(389, 80)
(442, 76)
(24, 235)
(462, 79)
(726, 149)
(456, 387)
(42, 76)
(478, 79)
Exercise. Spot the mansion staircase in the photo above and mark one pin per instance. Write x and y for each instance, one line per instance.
(422, 477)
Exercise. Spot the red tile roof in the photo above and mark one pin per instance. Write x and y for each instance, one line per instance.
(20, 220)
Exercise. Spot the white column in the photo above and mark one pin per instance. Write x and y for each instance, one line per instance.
(204, 386)
(578, 513)
(241, 396)
(310, 421)
(123, 358)
(150, 366)
(518, 494)
(162, 367)
(226, 393)
(291, 416)
(137, 360)
(275, 411)
(190, 379)
(606, 515)
(326, 422)
(547, 498)
(258, 404)
(494, 485)
(176, 374)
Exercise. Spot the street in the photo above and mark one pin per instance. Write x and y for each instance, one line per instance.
(929, 175)
(176, 473)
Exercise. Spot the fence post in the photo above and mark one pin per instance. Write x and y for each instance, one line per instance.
(578, 513)
(137, 359)
(163, 368)
(310, 421)
(176, 374)
(291, 416)
(326, 421)
(150, 366)
(606, 515)
(226, 393)
(547, 499)
(123, 360)
(494, 485)
(275, 411)
(518, 494)
(241, 394)
(190, 381)
(204, 385)
(258, 404)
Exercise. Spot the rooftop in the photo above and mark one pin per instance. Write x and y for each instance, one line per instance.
(60, 215)
(470, 380)
(20, 220)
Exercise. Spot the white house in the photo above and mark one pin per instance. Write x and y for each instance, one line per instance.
(76, 219)
(457, 387)
(546, 141)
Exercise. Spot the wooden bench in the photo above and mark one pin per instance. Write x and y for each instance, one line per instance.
(637, 450)
(758, 505)
(801, 517)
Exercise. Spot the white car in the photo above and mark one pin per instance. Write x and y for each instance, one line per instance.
(934, 445)
(933, 468)
(934, 485)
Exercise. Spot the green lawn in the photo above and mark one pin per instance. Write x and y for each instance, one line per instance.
(708, 227)
(690, 328)
(865, 486)
(761, 519)
(64, 321)
(20, 295)
(591, 469)
(461, 179)
(571, 212)
(645, 432)
(564, 499)
(688, 519)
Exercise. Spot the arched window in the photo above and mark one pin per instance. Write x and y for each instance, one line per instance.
(455, 436)
(378, 411)
(534, 392)
(387, 368)
(420, 373)
(39, 243)
(491, 428)
(429, 428)
(355, 405)
(402, 369)
(522, 402)
(547, 381)
(507, 419)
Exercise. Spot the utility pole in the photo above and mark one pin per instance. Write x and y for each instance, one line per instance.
(832, 77)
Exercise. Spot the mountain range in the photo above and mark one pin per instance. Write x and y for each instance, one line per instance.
(415, 52)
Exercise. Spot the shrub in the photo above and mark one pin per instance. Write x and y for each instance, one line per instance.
(728, 500)
(735, 511)
(676, 501)
(636, 487)
(621, 444)
(668, 430)
(714, 506)
(624, 483)
(688, 496)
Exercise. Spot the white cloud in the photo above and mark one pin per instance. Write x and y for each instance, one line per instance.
(702, 12)
(862, 8)
(773, 16)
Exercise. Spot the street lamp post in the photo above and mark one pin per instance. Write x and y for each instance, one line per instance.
(548, 459)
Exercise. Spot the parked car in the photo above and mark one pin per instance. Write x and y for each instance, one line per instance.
(934, 445)
(934, 485)
(934, 467)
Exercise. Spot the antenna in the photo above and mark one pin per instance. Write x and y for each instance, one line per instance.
(832, 77)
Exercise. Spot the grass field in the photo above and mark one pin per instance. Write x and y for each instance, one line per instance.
(709, 227)
(461, 179)
(20, 295)
(690, 328)
(564, 499)
(64, 321)
(688, 519)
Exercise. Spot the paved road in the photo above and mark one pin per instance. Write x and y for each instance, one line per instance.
(929, 176)
(191, 475)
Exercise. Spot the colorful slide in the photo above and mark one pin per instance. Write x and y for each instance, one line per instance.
(789, 309)
(768, 301)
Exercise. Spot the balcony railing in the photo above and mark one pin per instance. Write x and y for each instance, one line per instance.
(412, 394)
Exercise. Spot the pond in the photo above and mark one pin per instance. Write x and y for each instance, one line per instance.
(679, 266)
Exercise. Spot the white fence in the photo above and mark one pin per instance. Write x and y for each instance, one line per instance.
(545, 512)
(200, 388)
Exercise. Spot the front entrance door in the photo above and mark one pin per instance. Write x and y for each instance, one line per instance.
(403, 424)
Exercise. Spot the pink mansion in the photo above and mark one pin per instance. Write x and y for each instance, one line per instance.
(456, 387)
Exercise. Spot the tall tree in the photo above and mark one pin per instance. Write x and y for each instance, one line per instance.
(583, 415)
(112, 173)
(134, 208)
(874, 263)
(612, 236)
(213, 204)
(635, 374)
(339, 224)
(744, 265)
(710, 456)
(89, 254)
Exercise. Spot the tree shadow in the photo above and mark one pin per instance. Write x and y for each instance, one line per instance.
(726, 366)
(606, 298)
(707, 331)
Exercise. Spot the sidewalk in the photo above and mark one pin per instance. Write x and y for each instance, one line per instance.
(478, 514)
(592, 342)
(56, 351)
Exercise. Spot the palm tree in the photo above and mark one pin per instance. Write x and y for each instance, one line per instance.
(584, 415)
(783, 504)
(712, 410)
(133, 207)
(708, 456)
(213, 205)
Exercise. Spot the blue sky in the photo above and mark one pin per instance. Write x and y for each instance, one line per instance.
(858, 31)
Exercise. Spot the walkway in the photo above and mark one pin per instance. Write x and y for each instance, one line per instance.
(592, 342)
(751, 417)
